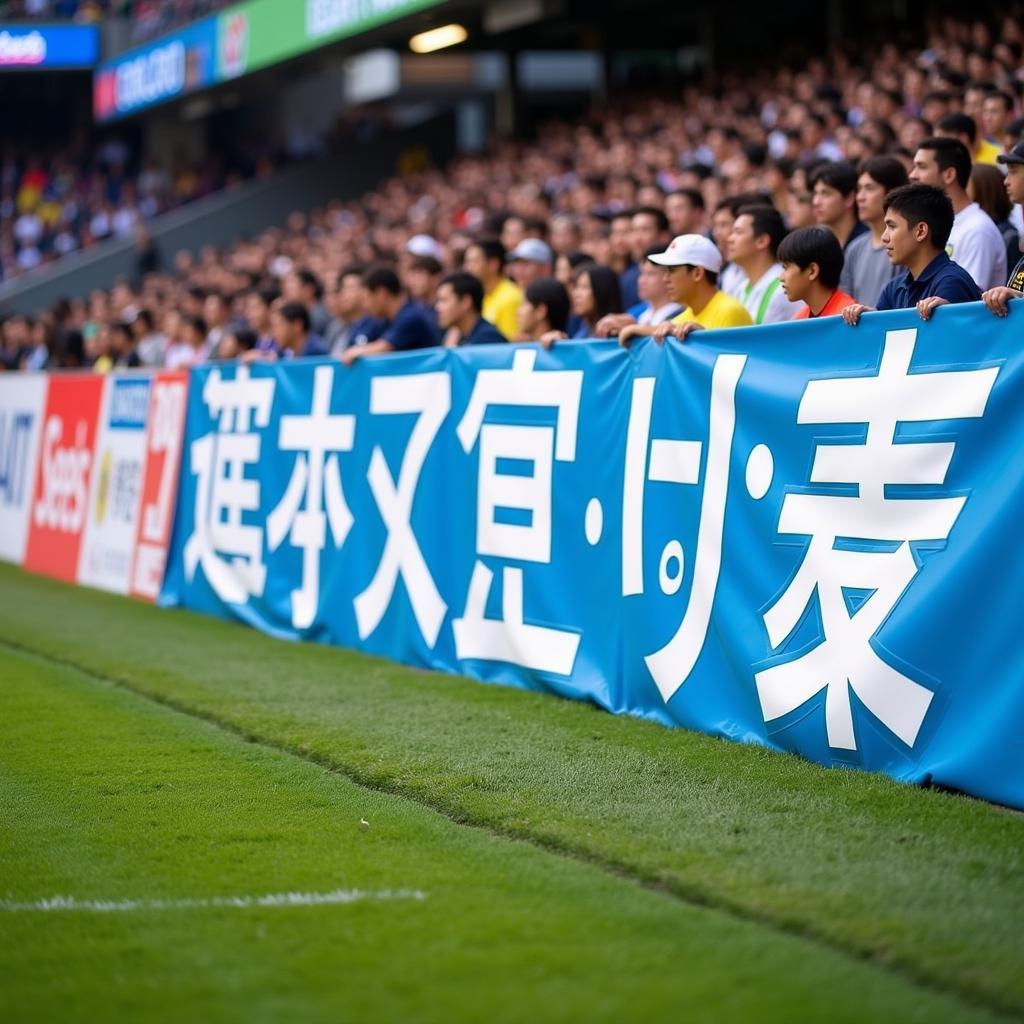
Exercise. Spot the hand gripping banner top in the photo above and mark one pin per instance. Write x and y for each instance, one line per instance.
(800, 535)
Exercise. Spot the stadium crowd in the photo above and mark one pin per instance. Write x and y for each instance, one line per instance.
(54, 203)
(838, 188)
(148, 18)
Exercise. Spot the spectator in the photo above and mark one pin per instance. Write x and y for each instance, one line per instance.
(834, 200)
(620, 245)
(217, 313)
(460, 303)
(529, 261)
(655, 305)
(302, 285)
(866, 265)
(405, 329)
(291, 326)
(257, 305)
(566, 265)
(693, 263)
(150, 343)
(812, 261)
(753, 241)
(918, 220)
(237, 342)
(997, 298)
(996, 113)
(975, 242)
(732, 277)
(421, 279)
(122, 346)
(192, 349)
(648, 227)
(964, 128)
(987, 188)
(347, 306)
(800, 195)
(485, 260)
(545, 310)
(684, 209)
(596, 292)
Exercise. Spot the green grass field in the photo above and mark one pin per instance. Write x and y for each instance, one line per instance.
(460, 852)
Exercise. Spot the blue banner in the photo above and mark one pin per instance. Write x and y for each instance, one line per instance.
(801, 535)
(48, 47)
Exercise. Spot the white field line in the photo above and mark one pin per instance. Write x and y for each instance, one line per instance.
(278, 899)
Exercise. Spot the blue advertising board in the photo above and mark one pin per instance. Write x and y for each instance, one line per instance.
(48, 47)
(175, 65)
(803, 535)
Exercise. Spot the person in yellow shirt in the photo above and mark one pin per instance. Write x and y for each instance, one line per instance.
(692, 263)
(485, 260)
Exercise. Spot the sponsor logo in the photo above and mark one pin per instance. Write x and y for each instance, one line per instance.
(234, 47)
(129, 405)
(15, 436)
(22, 50)
(326, 16)
(151, 77)
(65, 478)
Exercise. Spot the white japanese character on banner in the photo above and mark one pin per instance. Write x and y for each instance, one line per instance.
(671, 461)
(315, 481)
(509, 639)
(845, 659)
(230, 551)
(428, 395)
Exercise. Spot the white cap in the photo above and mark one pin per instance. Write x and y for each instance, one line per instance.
(690, 251)
(532, 250)
(424, 245)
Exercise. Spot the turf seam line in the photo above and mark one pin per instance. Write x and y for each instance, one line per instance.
(686, 894)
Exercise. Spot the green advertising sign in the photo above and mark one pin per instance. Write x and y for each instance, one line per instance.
(259, 33)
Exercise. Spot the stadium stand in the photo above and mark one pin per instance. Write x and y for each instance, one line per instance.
(757, 138)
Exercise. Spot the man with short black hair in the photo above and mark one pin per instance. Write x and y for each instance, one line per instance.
(996, 109)
(812, 261)
(961, 126)
(346, 306)
(866, 265)
(485, 260)
(405, 329)
(648, 228)
(545, 309)
(302, 285)
(753, 241)
(684, 209)
(834, 200)
(290, 325)
(459, 306)
(975, 243)
(918, 220)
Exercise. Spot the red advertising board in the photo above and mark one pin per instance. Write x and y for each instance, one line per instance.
(164, 435)
(60, 502)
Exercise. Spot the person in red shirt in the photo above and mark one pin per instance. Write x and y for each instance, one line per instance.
(812, 261)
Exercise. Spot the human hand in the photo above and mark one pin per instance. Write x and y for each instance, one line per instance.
(997, 299)
(926, 307)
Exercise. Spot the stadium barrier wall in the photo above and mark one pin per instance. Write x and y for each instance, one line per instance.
(803, 535)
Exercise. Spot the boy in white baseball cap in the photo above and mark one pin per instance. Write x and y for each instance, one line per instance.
(692, 264)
